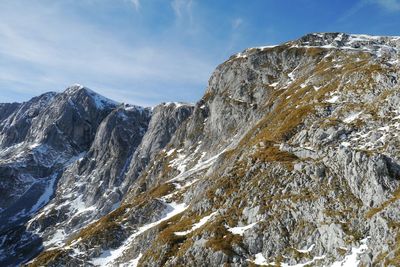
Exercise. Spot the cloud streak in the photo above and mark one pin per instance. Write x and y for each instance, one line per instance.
(182, 7)
(389, 5)
(236, 23)
(136, 4)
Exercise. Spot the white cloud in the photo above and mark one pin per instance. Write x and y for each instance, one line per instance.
(236, 23)
(386, 5)
(136, 4)
(389, 5)
(182, 7)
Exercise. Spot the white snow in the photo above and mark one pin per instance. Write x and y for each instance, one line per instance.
(198, 167)
(261, 260)
(306, 250)
(241, 55)
(274, 84)
(351, 260)
(108, 256)
(346, 144)
(316, 88)
(57, 239)
(358, 42)
(129, 107)
(34, 145)
(100, 101)
(239, 230)
(266, 47)
(178, 188)
(178, 104)
(291, 76)
(333, 99)
(362, 37)
(180, 162)
(384, 128)
(48, 192)
(169, 152)
(78, 206)
(196, 226)
(352, 116)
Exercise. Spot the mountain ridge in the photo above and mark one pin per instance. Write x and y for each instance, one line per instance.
(290, 157)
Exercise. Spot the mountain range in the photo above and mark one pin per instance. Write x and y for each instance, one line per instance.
(291, 158)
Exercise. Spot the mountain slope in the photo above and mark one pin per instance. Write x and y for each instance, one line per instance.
(86, 161)
(290, 158)
(40, 138)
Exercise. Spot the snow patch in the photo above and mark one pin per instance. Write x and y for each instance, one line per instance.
(57, 239)
(177, 104)
(239, 230)
(108, 256)
(100, 101)
(169, 153)
(274, 84)
(78, 206)
(291, 76)
(333, 99)
(240, 55)
(266, 47)
(352, 117)
(316, 88)
(345, 144)
(306, 250)
(47, 194)
(351, 260)
(198, 167)
(196, 226)
(261, 260)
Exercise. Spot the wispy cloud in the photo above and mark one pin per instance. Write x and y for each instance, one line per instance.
(136, 4)
(237, 22)
(389, 5)
(182, 8)
(386, 5)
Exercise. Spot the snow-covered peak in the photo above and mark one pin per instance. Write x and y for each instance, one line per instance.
(379, 45)
(73, 89)
(100, 101)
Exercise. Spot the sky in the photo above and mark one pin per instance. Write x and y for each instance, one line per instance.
(146, 52)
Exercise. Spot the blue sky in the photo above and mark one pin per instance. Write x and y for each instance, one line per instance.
(150, 51)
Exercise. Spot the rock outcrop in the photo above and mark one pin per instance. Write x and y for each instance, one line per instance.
(291, 158)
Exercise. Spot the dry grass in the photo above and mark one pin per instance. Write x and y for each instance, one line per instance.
(384, 205)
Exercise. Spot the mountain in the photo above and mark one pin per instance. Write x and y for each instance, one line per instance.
(291, 158)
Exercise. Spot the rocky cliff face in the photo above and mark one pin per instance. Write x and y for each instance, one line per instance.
(291, 158)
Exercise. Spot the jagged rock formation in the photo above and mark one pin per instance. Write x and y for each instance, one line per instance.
(290, 158)
(75, 149)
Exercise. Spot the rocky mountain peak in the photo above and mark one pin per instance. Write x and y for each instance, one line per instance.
(388, 46)
(79, 92)
(349, 41)
(290, 158)
(77, 89)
